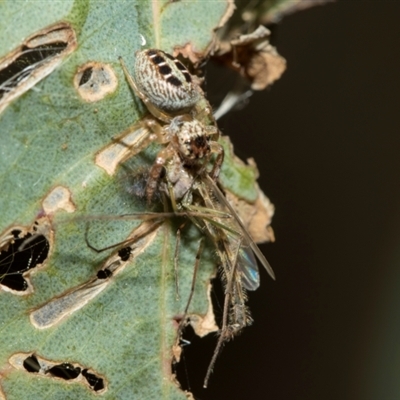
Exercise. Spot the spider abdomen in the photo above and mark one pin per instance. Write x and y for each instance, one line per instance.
(165, 81)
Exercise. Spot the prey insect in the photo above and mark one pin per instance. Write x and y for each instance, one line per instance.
(235, 249)
(186, 171)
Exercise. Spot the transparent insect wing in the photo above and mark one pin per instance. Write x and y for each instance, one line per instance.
(236, 244)
(165, 81)
(247, 265)
(221, 199)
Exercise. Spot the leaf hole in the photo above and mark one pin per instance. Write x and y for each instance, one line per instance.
(197, 351)
(31, 364)
(33, 60)
(71, 372)
(94, 81)
(86, 76)
(64, 371)
(20, 253)
(94, 381)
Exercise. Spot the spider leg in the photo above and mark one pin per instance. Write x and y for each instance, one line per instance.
(192, 286)
(160, 133)
(131, 142)
(155, 171)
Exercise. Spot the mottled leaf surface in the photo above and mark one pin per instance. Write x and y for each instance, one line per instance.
(49, 137)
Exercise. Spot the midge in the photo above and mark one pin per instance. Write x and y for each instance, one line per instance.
(191, 160)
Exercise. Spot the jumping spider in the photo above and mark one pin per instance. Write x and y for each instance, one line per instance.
(181, 111)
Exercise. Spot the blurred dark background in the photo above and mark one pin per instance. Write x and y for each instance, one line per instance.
(326, 138)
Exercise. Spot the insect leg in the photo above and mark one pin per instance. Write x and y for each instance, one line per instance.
(195, 270)
(229, 270)
(219, 151)
(176, 258)
(144, 229)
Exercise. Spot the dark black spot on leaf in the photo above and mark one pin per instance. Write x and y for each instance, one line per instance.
(104, 273)
(125, 253)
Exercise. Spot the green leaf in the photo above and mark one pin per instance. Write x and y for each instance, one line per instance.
(238, 177)
(49, 140)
